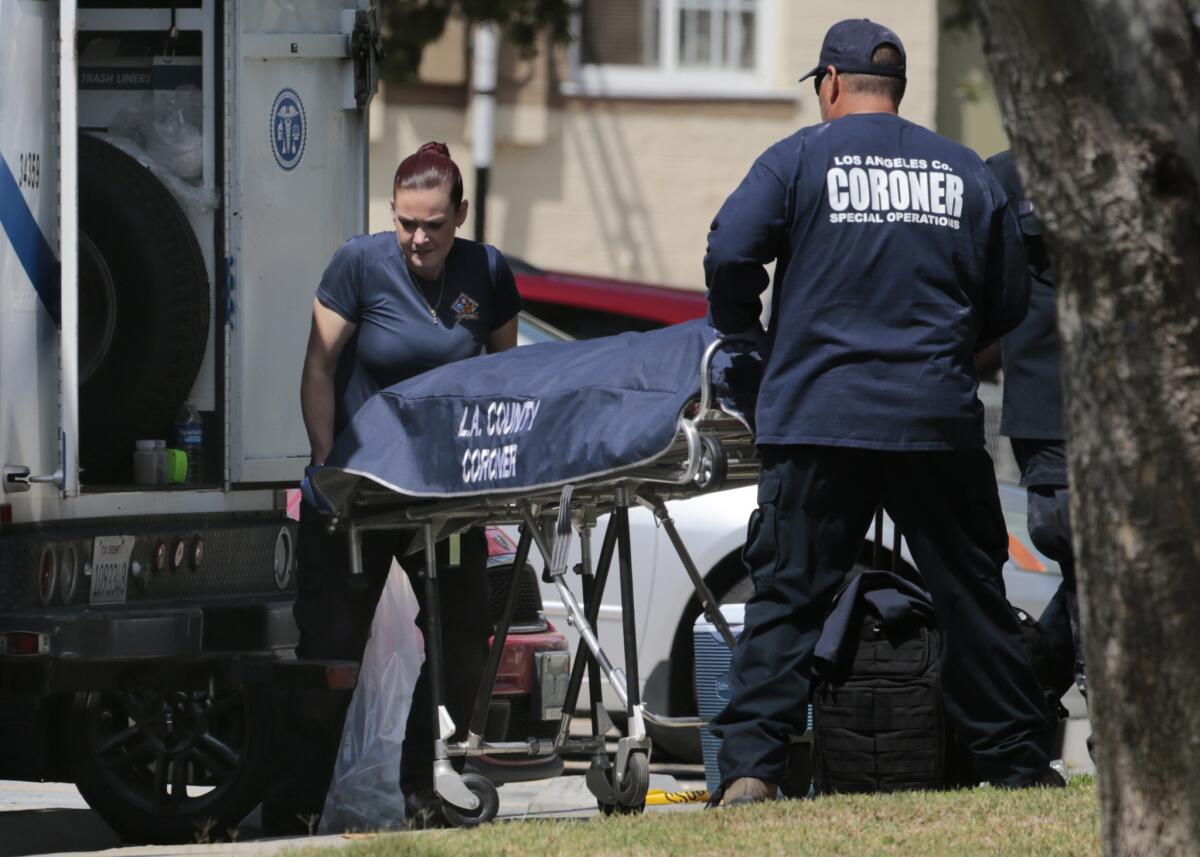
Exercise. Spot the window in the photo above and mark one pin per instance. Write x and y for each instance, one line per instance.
(716, 33)
(671, 47)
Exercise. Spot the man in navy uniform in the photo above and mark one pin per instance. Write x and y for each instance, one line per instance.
(1033, 422)
(896, 259)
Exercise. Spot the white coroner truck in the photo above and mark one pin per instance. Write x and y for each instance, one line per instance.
(173, 179)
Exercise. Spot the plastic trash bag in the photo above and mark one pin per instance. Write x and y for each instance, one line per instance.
(365, 791)
(174, 137)
(134, 132)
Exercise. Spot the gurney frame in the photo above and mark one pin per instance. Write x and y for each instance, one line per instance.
(712, 449)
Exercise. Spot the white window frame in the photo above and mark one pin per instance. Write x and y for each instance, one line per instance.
(668, 79)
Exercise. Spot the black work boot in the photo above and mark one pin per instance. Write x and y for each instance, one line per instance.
(748, 790)
(1049, 778)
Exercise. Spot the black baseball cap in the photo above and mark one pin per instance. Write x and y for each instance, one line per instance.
(849, 45)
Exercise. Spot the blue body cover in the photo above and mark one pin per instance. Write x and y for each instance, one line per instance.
(537, 416)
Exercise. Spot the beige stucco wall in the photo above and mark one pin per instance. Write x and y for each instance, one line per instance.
(623, 187)
(966, 102)
(802, 25)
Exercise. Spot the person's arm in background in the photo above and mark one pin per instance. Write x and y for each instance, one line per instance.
(506, 303)
(1005, 297)
(326, 339)
(746, 234)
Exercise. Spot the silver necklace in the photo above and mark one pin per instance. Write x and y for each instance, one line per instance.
(433, 308)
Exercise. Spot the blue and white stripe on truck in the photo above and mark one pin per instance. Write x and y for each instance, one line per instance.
(29, 245)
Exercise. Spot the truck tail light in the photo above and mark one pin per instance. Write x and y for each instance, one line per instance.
(178, 554)
(24, 643)
(515, 673)
(341, 676)
(196, 552)
(282, 562)
(5, 513)
(47, 574)
(68, 574)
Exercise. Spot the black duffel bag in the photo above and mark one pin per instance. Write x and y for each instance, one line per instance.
(878, 720)
(879, 723)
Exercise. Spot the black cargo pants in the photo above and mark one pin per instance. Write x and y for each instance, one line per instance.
(335, 623)
(815, 505)
(1049, 508)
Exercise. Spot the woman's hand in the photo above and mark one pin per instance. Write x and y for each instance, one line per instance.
(326, 339)
(503, 337)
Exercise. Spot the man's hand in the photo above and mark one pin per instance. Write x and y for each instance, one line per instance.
(754, 335)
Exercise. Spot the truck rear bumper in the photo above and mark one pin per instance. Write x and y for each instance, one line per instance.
(91, 649)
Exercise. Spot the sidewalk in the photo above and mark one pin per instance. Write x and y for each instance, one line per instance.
(563, 797)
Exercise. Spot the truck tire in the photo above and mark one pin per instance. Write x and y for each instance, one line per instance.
(144, 309)
(170, 766)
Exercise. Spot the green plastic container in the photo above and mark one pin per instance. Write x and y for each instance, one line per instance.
(176, 466)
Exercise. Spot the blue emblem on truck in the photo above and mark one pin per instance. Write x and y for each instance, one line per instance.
(289, 130)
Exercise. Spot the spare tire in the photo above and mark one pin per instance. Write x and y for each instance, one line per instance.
(143, 310)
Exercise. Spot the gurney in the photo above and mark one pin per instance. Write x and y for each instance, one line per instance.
(551, 437)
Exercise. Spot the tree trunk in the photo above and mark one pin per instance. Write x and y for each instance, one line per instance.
(1101, 99)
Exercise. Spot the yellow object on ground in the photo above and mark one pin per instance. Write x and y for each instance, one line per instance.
(658, 797)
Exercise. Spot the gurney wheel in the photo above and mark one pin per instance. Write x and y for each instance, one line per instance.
(631, 794)
(713, 466)
(489, 803)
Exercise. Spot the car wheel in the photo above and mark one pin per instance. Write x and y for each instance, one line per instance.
(170, 765)
(739, 593)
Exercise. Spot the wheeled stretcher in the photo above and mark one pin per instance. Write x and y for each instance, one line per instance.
(393, 470)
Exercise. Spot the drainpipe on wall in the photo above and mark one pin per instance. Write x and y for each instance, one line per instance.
(485, 53)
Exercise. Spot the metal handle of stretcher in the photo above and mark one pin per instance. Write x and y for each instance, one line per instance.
(706, 391)
(706, 374)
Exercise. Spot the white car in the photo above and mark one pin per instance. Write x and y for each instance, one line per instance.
(713, 527)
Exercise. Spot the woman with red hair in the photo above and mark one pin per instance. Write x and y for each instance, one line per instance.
(390, 306)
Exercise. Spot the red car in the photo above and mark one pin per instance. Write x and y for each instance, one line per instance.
(527, 701)
(586, 306)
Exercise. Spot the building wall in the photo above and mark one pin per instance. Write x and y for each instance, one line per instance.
(966, 102)
(625, 187)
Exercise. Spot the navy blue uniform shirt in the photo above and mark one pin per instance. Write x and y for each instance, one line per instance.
(369, 284)
(896, 260)
(1031, 354)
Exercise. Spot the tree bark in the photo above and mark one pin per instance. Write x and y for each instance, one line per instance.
(1101, 99)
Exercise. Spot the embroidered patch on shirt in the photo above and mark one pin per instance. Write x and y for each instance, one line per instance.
(465, 309)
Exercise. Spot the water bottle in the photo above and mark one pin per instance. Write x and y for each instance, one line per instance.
(189, 436)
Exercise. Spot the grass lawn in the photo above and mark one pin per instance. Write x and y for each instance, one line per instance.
(1028, 823)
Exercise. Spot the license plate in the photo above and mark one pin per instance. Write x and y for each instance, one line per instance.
(110, 569)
